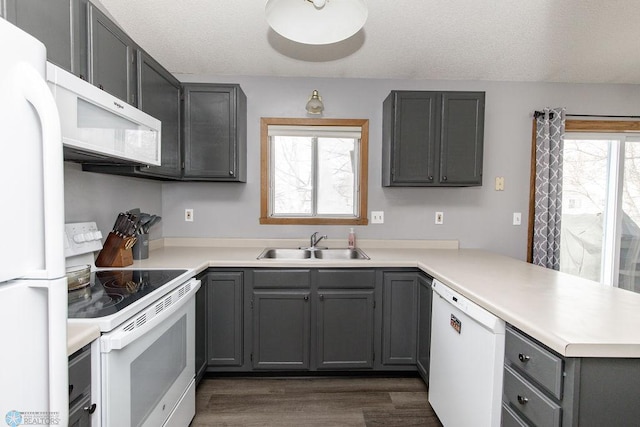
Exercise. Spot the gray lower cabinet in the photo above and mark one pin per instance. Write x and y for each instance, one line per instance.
(400, 318)
(80, 405)
(432, 139)
(425, 294)
(542, 388)
(59, 24)
(345, 318)
(201, 329)
(225, 318)
(112, 59)
(281, 329)
(326, 319)
(215, 132)
(280, 306)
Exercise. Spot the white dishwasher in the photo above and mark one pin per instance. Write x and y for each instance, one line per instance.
(467, 353)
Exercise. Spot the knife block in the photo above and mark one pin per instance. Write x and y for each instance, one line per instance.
(115, 252)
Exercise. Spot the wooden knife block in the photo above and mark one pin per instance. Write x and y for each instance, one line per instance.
(115, 252)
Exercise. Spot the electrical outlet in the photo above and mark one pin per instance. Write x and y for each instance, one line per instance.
(439, 218)
(188, 215)
(377, 217)
(500, 183)
(517, 218)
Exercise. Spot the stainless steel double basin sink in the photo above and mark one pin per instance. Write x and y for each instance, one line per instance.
(316, 253)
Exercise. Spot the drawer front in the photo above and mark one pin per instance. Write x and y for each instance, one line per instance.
(350, 279)
(79, 374)
(281, 279)
(537, 362)
(534, 405)
(510, 418)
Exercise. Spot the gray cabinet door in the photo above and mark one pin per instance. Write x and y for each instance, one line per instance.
(80, 413)
(214, 132)
(344, 333)
(424, 326)
(224, 319)
(159, 96)
(111, 57)
(59, 24)
(201, 329)
(432, 138)
(461, 138)
(410, 135)
(399, 318)
(281, 329)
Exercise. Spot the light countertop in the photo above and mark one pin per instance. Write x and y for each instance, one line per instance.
(573, 316)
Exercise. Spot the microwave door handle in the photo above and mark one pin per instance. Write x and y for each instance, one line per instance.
(37, 93)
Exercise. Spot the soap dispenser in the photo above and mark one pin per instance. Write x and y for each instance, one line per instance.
(352, 239)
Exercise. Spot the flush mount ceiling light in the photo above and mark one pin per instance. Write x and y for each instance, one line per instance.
(316, 22)
(315, 105)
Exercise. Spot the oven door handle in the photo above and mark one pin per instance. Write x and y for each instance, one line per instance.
(149, 318)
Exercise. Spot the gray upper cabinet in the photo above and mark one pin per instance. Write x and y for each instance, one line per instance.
(215, 132)
(60, 24)
(159, 95)
(400, 318)
(111, 57)
(432, 138)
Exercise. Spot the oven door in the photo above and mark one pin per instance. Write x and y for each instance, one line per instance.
(148, 363)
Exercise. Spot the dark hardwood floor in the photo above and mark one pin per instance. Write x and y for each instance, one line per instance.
(336, 401)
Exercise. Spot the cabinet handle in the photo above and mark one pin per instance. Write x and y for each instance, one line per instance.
(321, 297)
(230, 172)
(430, 177)
(306, 297)
(523, 358)
(91, 409)
(522, 400)
(444, 178)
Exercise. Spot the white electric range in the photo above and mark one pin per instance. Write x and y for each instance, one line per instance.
(143, 364)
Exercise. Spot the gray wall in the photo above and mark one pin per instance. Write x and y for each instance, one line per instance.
(479, 217)
(97, 197)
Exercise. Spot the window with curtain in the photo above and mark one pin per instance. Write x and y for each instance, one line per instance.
(314, 171)
(599, 201)
(600, 232)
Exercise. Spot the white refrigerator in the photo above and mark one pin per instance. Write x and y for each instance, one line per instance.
(33, 289)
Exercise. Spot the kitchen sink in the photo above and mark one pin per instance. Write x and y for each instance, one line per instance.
(303, 253)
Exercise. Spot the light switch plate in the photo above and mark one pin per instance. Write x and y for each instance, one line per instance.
(377, 217)
(439, 219)
(517, 218)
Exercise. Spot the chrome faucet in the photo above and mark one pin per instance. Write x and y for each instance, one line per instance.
(315, 240)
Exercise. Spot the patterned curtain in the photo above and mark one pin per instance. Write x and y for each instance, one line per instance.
(548, 188)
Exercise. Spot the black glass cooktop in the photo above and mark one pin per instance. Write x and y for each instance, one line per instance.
(113, 290)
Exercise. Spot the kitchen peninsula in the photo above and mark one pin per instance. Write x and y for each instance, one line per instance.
(588, 328)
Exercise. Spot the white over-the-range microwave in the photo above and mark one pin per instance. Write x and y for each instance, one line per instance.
(97, 127)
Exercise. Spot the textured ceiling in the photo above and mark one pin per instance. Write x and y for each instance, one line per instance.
(588, 41)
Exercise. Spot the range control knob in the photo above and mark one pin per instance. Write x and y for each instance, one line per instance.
(79, 238)
(97, 235)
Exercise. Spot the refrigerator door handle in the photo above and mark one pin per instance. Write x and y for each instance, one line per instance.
(37, 93)
(58, 359)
